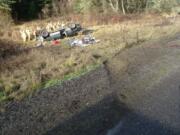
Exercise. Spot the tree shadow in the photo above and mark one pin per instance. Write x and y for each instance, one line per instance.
(110, 117)
(9, 48)
(28, 10)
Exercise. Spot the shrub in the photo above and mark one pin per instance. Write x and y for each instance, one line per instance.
(6, 19)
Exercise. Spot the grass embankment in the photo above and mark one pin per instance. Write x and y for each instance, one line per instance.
(22, 74)
(26, 71)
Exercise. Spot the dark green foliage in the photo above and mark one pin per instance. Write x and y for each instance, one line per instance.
(28, 9)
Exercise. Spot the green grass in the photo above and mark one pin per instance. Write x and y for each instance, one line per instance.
(2, 96)
(52, 82)
(70, 76)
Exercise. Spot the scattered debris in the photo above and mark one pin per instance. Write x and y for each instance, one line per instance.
(85, 41)
(56, 42)
(68, 31)
(40, 42)
(89, 39)
(75, 42)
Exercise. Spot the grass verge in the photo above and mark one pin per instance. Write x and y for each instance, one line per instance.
(70, 76)
(50, 83)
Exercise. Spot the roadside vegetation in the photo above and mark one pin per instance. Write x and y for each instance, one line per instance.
(24, 69)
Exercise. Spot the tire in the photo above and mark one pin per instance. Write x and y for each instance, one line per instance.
(44, 33)
(72, 25)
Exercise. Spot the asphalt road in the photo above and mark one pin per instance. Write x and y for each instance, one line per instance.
(147, 80)
(137, 92)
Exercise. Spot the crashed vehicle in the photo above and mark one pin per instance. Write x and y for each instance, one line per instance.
(70, 30)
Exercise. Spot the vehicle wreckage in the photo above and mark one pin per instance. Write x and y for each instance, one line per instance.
(69, 31)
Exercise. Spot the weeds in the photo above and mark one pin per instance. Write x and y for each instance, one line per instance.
(70, 76)
(23, 72)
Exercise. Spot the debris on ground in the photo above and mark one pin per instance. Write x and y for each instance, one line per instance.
(40, 41)
(85, 41)
(68, 31)
(56, 42)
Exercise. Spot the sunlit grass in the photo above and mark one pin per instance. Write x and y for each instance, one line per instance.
(25, 72)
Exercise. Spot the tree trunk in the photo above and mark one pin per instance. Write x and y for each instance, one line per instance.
(115, 5)
(123, 8)
(104, 6)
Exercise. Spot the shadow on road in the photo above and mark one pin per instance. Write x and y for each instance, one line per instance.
(110, 117)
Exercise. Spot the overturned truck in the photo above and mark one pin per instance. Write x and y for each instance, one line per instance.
(70, 30)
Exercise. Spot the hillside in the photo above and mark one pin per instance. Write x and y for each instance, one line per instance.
(24, 71)
(89, 67)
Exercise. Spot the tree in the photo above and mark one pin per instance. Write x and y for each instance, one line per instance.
(28, 9)
(83, 6)
(6, 4)
(161, 5)
(114, 4)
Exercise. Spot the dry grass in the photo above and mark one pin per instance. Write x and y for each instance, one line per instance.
(35, 68)
(13, 32)
(21, 74)
(115, 37)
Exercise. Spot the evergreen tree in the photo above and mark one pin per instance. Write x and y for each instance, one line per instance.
(28, 9)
